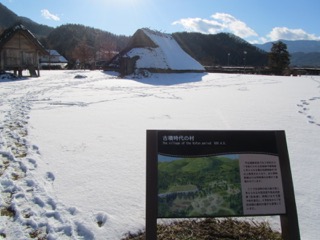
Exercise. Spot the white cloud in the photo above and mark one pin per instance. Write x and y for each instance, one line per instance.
(234, 25)
(224, 22)
(290, 34)
(219, 22)
(46, 14)
(200, 25)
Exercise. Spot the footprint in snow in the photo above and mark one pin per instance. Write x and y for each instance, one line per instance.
(83, 232)
(101, 219)
(55, 215)
(36, 149)
(73, 211)
(30, 183)
(50, 176)
(304, 110)
(39, 202)
(32, 164)
(314, 98)
(52, 204)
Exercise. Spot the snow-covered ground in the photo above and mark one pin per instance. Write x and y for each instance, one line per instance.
(72, 150)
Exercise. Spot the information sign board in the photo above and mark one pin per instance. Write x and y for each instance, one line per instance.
(217, 174)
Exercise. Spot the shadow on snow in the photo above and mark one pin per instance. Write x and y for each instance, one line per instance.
(167, 79)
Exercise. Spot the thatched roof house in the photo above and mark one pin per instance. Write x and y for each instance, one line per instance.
(20, 50)
(54, 60)
(156, 52)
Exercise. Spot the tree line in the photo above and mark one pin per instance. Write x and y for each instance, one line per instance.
(223, 49)
(226, 49)
(84, 46)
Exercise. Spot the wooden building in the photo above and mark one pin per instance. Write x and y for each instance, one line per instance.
(153, 51)
(20, 50)
(54, 60)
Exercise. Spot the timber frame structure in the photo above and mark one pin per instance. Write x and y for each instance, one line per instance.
(20, 50)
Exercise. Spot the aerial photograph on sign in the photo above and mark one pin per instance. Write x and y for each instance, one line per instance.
(200, 186)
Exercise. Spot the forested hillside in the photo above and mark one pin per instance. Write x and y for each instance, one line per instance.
(9, 18)
(73, 41)
(302, 59)
(221, 49)
(86, 44)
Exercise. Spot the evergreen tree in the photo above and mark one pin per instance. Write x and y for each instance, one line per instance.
(279, 58)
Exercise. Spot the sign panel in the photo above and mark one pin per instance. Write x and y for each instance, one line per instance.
(262, 191)
(219, 174)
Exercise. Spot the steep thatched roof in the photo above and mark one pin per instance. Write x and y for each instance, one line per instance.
(140, 40)
(19, 28)
(155, 51)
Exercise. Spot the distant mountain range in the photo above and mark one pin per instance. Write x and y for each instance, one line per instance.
(303, 46)
(212, 49)
(304, 53)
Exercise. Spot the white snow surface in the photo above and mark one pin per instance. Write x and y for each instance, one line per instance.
(168, 54)
(73, 150)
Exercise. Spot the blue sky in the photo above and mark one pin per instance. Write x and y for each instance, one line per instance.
(256, 21)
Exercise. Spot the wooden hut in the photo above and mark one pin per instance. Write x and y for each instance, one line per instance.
(20, 50)
(54, 60)
(154, 51)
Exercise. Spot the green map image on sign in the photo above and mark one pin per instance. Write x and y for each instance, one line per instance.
(199, 187)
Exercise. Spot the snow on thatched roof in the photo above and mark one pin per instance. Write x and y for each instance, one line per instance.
(54, 57)
(156, 50)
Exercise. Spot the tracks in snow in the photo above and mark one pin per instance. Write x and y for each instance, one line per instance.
(308, 106)
(24, 199)
(27, 209)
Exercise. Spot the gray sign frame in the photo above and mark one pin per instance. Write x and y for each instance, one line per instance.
(237, 141)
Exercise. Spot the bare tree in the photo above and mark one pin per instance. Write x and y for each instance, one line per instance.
(105, 47)
(84, 55)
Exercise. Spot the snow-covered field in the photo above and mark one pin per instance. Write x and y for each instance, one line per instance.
(72, 150)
